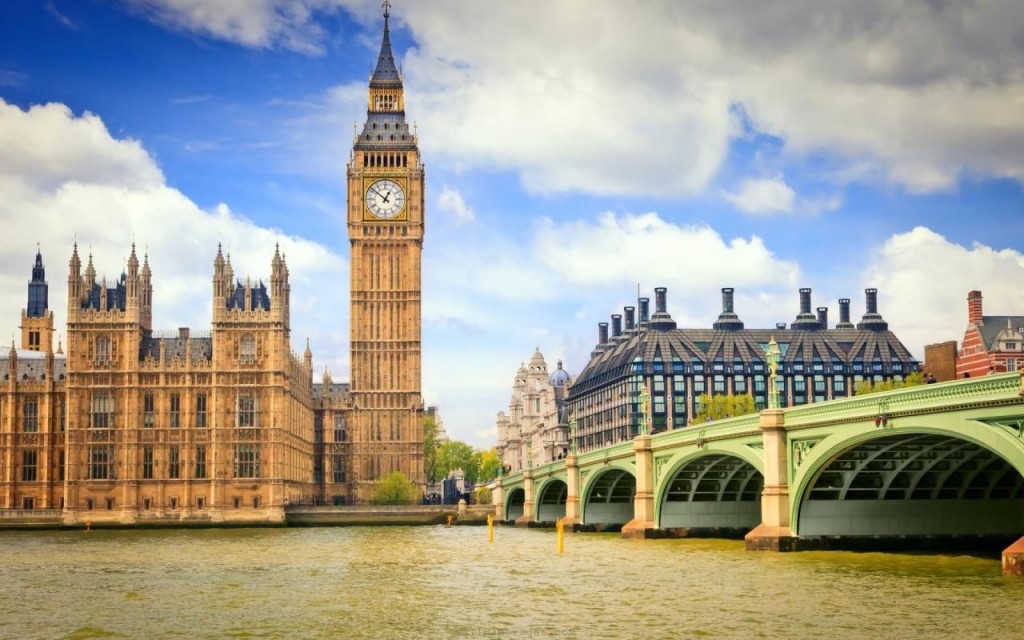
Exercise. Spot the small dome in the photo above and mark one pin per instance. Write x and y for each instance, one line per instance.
(560, 377)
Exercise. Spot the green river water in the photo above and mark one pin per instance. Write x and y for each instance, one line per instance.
(437, 582)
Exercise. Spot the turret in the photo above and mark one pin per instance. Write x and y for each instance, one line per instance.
(74, 276)
(307, 358)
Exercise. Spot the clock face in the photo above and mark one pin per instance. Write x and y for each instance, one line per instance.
(385, 199)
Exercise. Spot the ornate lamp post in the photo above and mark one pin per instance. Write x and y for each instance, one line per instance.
(572, 437)
(644, 399)
(773, 356)
(529, 452)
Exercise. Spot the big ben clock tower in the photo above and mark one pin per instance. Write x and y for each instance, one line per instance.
(385, 227)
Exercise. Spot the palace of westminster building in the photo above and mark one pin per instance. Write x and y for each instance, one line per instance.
(133, 425)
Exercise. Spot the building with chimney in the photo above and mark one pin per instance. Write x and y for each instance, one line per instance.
(648, 355)
(990, 343)
(535, 430)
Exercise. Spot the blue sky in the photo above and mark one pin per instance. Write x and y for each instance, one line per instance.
(574, 151)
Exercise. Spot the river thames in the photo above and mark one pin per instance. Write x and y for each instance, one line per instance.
(437, 582)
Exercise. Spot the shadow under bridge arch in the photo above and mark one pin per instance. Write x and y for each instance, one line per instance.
(610, 498)
(923, 484)
(551, 505)
(715, 493)
(514, 505)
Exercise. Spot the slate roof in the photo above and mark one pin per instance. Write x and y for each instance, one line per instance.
(334, 392)
(710, 346)
(993, 326)
(174, 348)
(32, 366)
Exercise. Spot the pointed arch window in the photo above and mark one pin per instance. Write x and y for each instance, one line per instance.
(102, 349)
(247, 349)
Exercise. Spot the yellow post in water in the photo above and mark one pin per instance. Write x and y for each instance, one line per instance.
(560, 526)
(450, 517)
(490, 528)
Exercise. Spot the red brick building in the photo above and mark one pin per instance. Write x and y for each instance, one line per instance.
(991, 343)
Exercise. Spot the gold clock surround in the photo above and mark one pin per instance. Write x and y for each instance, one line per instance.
(401, 181)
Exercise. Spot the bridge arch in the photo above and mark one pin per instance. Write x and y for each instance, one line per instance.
(712, 489)
(551, 498)
(515, 504)
(941, 477)
(608, 497)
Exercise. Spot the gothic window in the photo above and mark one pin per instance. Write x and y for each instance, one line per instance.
(247, 461)
(148, 411)
(101, 462)
(29, 465)
(30, 415)
(147, 463)
(247, 349)
(201, 462)
(174, 463)
(101, 410)
(175, 415)
(248, 410)
(339, 428)
(201, 410)
(103, 349)
(338, 468)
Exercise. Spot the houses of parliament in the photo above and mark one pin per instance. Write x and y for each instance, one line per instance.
(133, 425)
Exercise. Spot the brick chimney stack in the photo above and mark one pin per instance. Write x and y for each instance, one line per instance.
(974, 313)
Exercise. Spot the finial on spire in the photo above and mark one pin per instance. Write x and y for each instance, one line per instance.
(387, 9)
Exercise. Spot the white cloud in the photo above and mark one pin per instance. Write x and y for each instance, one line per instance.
(450, 201)
(763, 195)
(289, 24)
(65, 178)
(608, 98)
(923, 280)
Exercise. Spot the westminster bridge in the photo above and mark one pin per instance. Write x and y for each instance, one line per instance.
(933, 461)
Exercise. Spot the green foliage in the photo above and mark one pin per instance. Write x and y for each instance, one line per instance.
(430, 445)
(723, 405)
(489, 464)
(455, 454)
(867, 386)
(482, 496)
(395, 488)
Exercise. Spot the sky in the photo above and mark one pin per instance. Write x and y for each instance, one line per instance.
(577, 151)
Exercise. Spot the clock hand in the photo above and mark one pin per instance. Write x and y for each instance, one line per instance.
(387, 197)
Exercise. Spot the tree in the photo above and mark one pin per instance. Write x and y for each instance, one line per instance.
(454, 454)
(723, 405)
(867, 386)
(430, 445)
(489, 464)
(395, 488)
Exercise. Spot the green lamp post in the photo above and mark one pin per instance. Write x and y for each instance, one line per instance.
(773, 356)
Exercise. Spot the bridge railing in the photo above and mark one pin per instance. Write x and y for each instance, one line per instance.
(910, 399)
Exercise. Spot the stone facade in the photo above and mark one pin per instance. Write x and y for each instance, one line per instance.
(226, 424)
(535, 430)
(386, 212)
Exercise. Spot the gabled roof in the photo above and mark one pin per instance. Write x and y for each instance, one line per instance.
(993, 326)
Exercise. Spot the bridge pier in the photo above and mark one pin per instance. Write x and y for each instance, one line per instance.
(527, 517)
(642, 525)
(498, 500)
(1013, 559)
(572, 497)
(774, 533)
